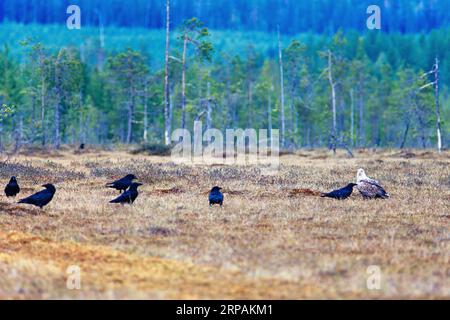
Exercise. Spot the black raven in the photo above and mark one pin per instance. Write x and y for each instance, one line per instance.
(42, 198)
(128, 196)
(12, 188)
(215, 196)
(340, 194)
(122, 184)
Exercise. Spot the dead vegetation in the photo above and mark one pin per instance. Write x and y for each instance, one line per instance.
(304, 192)
(273, 238)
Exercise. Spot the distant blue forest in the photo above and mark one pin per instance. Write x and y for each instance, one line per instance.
(293, 16)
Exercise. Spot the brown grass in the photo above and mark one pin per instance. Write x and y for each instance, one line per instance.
(273, 238)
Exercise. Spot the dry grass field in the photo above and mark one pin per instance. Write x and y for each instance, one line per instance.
(274, 238)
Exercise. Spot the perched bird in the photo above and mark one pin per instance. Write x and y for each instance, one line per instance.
(369, 188)
(42, 198)
(128, 196)
(122, 184)
(215, 196)
(340, 194)
(82, 146)
(12, 188)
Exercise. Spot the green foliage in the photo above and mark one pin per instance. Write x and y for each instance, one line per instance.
(103, 92)
(6, 111)
(194, 32)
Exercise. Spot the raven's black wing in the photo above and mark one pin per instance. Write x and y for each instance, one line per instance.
(121, 184)
(338, 194)
(332, 194)
(39, 199)
(126, 197)
(216, 197)
(12, 189)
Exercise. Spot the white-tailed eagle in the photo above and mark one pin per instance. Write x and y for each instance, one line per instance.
(369, 188)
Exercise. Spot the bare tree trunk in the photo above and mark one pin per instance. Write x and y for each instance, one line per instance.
(43, 127)
(145, 136)
(19, 133)
(249, 103)
(292, 130)
(6, 98)
(183, 85)
(229, 99)
(82, 131)
(129, 123)
(57, 123)
(171, 109)
(422, 123)
(280, 58)
(33, 117)
(269, 113)
(130, 117)
(352, 118)
(58, 87)
(438, 113)
(361, 139)
(405, 135)
(167, 120)
(333, 100)
(1, 136)
(308, 137)
(101, 50)
(208, 107)
(87, 132)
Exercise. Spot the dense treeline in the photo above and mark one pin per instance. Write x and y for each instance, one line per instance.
(62, 97)
(322, 16)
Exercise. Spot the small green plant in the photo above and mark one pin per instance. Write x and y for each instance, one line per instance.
(6, 111)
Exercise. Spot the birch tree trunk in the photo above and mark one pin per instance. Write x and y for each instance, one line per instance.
(208, 107)
(167, 120)
(145, 135)
(352, 118)
(438, 113)
(130, 117)
(43, 127)
(171, 109)
(280, 58)
(333, 99)
(269, 113)
(183, 84)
